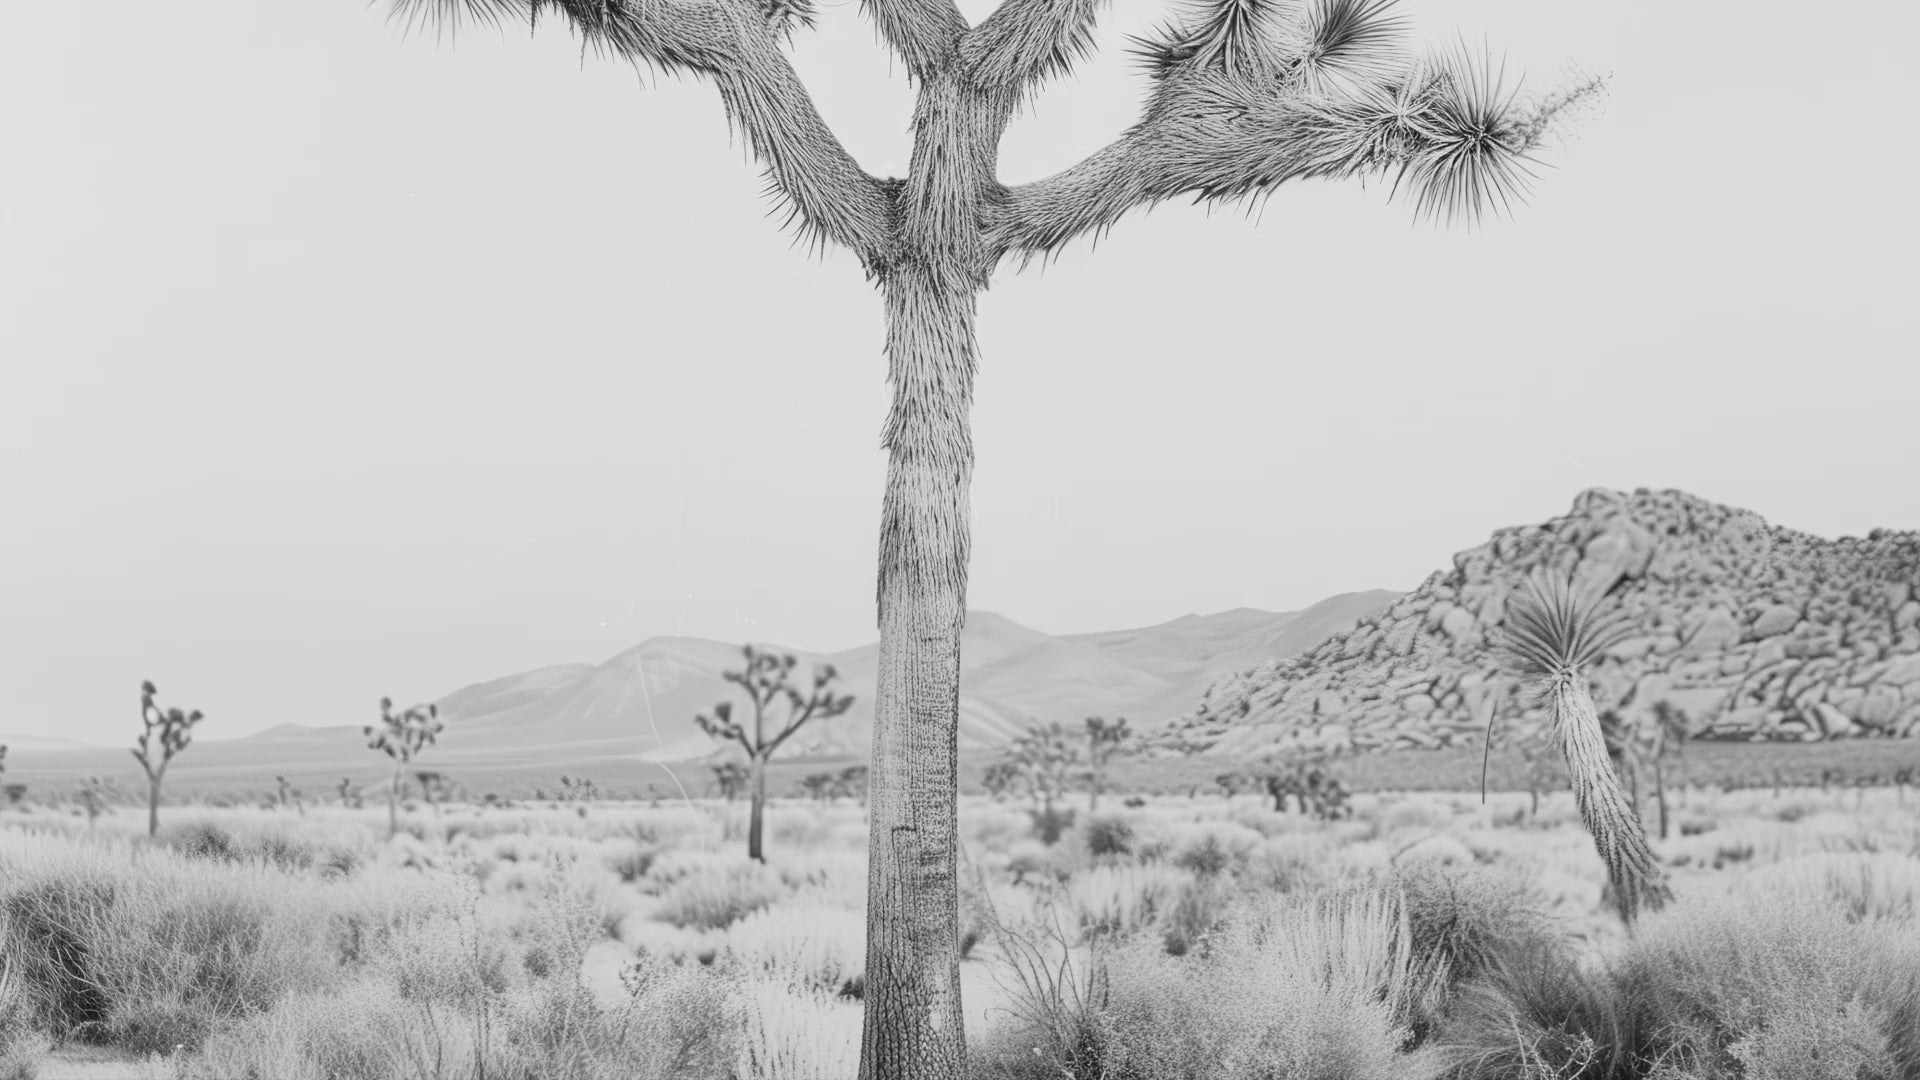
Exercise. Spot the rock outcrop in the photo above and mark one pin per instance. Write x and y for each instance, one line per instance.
(1754, 631)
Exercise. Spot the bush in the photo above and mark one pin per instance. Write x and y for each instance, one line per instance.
(717, 898)
(1465, 917)
(1109, 836)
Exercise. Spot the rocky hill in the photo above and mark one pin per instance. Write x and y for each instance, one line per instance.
(1755, 631)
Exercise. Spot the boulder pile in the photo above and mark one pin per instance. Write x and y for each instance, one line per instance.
(1752, 630)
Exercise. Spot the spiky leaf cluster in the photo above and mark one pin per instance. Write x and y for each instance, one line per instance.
(1555, 633)
(404, 734)
(170, 731)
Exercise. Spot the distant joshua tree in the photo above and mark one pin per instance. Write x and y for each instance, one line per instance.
(288, 795)
(731, 777)
(766, 678)
(401, 737)
(1104, 740)
(578, 791)
(1045, 757)
(1000, 778)
(94, 797)
(1551, 638)
(175, 731)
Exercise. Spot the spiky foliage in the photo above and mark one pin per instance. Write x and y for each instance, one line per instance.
(1551, 637)
(165, 733)
(767, 678)
(402, 736)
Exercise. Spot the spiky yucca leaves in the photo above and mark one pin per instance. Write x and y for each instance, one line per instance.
(1552, 637)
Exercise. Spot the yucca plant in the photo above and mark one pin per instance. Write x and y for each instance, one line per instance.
(1551, 638)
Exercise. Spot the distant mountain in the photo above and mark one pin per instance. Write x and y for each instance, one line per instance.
(1755, 631)
(641, 703)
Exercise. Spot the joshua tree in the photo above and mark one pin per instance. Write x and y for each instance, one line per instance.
(1232, 782)
(288, 795)
(580, 792)
(401, 736)
(999, 778)
(347, 796)
(1046, 757)
(1552, 636)
(732, 777)
(1104, 740)
(175, 731)
(94, 795)
(1246, 95)
(1662, 733)
(766, 678)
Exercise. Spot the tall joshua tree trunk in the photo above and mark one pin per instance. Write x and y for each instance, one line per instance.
(1247, 95)
(913, 832)
(756, 813)
(153, 801)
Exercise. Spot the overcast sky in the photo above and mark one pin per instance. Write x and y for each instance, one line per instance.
(340, 363)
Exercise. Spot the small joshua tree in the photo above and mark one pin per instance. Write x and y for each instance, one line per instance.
(288, 795)
(434, 788)
(401, 736)
(1661, 734)
(1104, 740)
(766, 679)
(1046, 757)
(94, 796)
(731, 777)
(1551, 638)
(174, 730)
(1000, 778)
(579, 791)
(348, 798)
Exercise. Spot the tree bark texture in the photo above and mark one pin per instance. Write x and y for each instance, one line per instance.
(756, 814)
(913, 1018)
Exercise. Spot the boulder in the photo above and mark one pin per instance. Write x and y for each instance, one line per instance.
(1777, 619)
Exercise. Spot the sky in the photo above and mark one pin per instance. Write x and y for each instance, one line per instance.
(339, 362)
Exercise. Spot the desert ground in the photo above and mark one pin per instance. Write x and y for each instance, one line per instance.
(1423, 935)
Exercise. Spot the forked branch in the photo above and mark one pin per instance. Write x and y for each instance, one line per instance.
(736, 43)
(1025, 42)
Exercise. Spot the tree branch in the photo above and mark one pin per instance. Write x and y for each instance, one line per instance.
(1445, 129)
(922, 32)
(1025, 42)
(825, 193)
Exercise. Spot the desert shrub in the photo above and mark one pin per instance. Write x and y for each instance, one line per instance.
(21, 1046)
(1865, 886)
(1109, 836)
(632, 863)
(201, 840)
(716, 898)
(1050, 824)
(797, 1035)
(1123, 899)
(1534, 1013)
(1464, 917)
(805, 947)
(1746, 979)
(1197, 912)
(1312, 990)
(133, 947)
(1027, 859)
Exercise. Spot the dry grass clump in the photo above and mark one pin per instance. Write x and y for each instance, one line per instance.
(147, 950)
(1321, 989)
(794, 1034)
(1768, 985)
(807, 947)
(716, 897)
